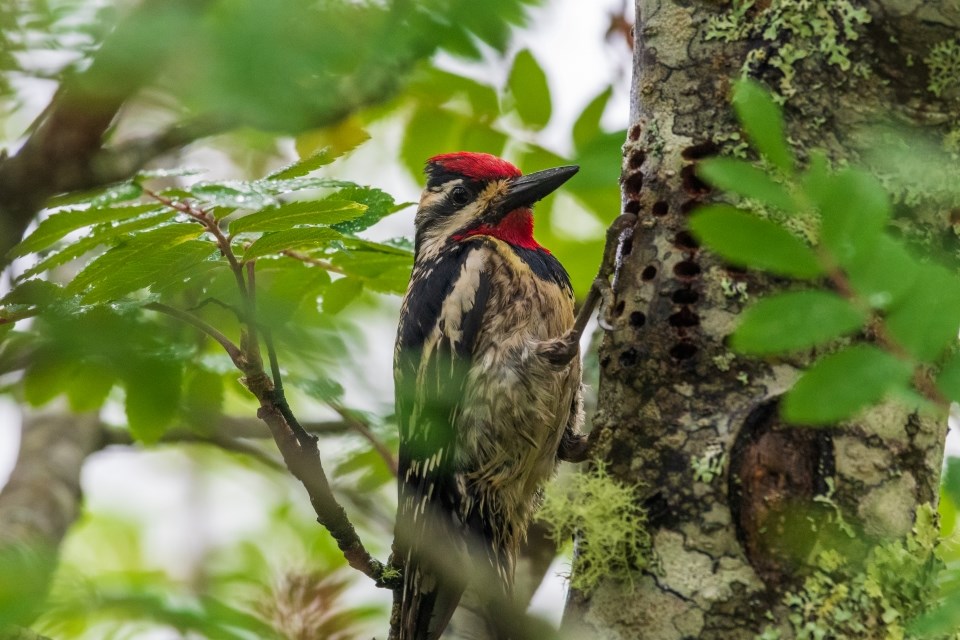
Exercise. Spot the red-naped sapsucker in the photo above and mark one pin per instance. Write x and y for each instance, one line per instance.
(488, 392)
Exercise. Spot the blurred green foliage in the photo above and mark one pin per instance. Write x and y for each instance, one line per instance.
(824, 225)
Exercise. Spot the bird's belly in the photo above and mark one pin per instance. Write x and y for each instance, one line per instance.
(514, 414)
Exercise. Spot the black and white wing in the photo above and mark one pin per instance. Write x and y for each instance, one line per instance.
(443, 314)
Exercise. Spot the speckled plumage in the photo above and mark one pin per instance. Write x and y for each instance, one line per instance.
(482, 413)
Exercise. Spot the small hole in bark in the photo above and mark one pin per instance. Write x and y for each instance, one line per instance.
(685, 296)
(634, 183)
(685, 240)
(627, 247)
(660, 208)
(683, 351)
(701, 150)
(691, 183)
(635, 132)
(632, 206)
(686, 269)
(604, 361)
(684, 318)
(636, 159)
(628, 358)
(637, 319)
(649, 273)
(618, 309)
(688, 206)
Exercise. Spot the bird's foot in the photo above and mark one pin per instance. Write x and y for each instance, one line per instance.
(575, 448)
(561, 351)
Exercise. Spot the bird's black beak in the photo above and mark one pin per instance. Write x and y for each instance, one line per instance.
(524, 191)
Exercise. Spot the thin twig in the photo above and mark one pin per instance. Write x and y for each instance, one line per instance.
(280, 398)
(114, 436)
(617, 234)
(212, 226)
(363, 429)
(229, 307)
(21, 315)
(303, 257)
(232, 350)
(922, 381)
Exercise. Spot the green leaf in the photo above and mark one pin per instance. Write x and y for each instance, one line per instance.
(280, 241)
(587, 126)
(122, 192)
(744, 179)
(34, 293)
(428, 132)
(302, 167)
(61, 223)
(762, 120)
(203, 399)
(949, 379)
(232, 196)
(435, 87)
(287, 216)
(926, 319)
(854, 210)
(46, 377)
(369, 264)
(90, 386)
(323, 389)
(322, 146)
(285, 286)
(883, 273)
(745, 240)
(595, 185)
(795, 320)
(841, 384)
(152, 397)
(125, 271)
(531, 93)
(340, 293)
(142, 260)
(100, 236)
(379, 205)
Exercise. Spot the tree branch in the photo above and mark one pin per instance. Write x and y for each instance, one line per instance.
(363, 429)
(232, 350)
(39, 503)
(65, 149)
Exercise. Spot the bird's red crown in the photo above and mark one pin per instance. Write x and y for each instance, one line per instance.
(478, 166)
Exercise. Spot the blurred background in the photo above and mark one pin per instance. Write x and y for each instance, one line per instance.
(190, 540)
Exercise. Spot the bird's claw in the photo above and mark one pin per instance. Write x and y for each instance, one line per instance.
(606, 304)
(560, 351)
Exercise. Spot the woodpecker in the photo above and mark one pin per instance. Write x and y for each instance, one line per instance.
(488, 391)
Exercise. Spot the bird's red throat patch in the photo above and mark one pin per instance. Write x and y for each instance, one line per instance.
(478, 166)
(516, 229)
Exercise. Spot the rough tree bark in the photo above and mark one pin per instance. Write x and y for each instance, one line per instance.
(673, 400)
(38, 505)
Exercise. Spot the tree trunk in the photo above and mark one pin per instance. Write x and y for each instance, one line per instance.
(742, 509)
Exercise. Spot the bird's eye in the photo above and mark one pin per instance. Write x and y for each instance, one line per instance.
(460, 196)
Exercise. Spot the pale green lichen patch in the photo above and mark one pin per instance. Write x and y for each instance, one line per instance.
(610, 525)
(800, 29)
(873, 601)
(709, 465)
(943, 65)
